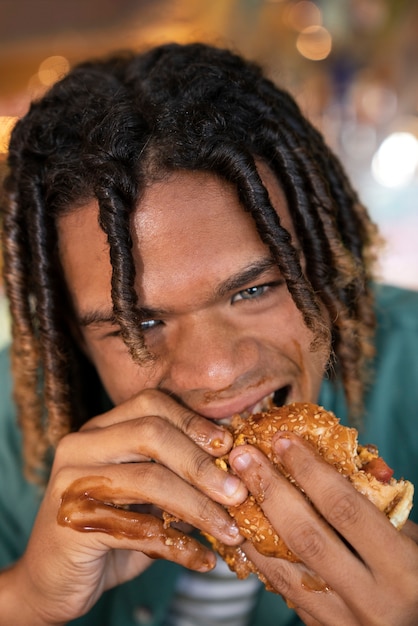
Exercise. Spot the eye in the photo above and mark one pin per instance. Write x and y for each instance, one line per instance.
(114, 333)
(252, 293)
(144, 326)
(149, 325)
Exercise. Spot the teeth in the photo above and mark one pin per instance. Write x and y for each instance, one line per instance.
(263, 405)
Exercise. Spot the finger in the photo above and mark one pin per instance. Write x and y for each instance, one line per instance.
(308, 620)
(372, 595)
(411, 530)
(354, 517)
(305, 532)
(215, 439)
(131, 531)
(303, 590)
(102, 499)
(146, 438)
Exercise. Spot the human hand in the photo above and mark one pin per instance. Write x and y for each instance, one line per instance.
(90, 533)
(356, 569)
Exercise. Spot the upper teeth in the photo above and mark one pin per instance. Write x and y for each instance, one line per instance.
(265, 404)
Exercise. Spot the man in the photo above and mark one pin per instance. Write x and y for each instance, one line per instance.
(180, 246)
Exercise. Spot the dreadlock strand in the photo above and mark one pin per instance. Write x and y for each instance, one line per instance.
(115, 221)
(323, 246)
(42, 236)
(25, 357)
(254, 197)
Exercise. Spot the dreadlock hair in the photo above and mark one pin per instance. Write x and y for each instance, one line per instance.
(112, 126)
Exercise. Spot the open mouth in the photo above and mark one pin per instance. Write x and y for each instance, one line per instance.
(280, 396)
(277, 398)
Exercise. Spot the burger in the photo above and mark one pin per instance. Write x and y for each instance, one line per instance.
(338, 445)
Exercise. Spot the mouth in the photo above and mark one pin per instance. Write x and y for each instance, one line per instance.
(276, 398)
(281, 395)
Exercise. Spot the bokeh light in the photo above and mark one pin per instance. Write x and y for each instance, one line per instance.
(396, 160)
(6, 126)
(52, 69)
(302, 15)
(359, 140)
(378, 103)
(314, 43)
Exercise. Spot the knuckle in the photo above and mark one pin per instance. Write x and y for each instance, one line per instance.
(342, 510)
(306, 542)
(201, 464)
(268, 487)
(196, 427)
(152, 433)
(65, 449)
(304, 470)
(148, 400)
(150, 395)
(277, 572)
(190, 423)
(265, 484)
(209, 516)
(147, 478)
(204, 507)
(279, 579)
(61, 480)
(151, 426)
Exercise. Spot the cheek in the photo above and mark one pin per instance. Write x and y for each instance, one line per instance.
(121, 377)
(300, 343)
(313, 362)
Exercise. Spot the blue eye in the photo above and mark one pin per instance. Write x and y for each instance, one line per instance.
(251, 293)
(149, 324)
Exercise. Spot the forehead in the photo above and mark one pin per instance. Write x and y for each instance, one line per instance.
(187, 229)
(201, 196)
(194, 217)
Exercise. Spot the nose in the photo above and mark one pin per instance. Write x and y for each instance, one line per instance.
(208, 355)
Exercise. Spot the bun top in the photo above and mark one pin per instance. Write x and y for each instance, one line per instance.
(338, 446)
(335, 443)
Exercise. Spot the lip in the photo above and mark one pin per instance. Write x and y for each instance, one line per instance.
(244, 405)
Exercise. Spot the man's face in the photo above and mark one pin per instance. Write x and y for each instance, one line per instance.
(219, 319)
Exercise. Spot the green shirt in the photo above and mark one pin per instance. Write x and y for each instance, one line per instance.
(390, 422)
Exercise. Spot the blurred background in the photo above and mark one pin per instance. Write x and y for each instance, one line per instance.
(351, 64)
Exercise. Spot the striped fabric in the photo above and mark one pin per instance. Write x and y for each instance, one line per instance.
(214, 598)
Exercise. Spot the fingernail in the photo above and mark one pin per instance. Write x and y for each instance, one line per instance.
(242, 461)
(208, 564)
(231, 485)
(233, 531)
(223, 439)
(281, 444)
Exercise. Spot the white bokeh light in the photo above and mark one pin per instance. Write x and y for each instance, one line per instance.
(396, 160)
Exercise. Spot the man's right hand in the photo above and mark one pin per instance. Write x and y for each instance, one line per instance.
(90, 533)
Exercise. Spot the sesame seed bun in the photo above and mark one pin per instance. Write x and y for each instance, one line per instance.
(338, 445)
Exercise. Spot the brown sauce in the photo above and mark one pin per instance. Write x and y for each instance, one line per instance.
(86, 506)
(312, 582)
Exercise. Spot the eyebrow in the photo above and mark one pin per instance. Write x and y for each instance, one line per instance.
(251, 272)
(235, 282)
(96, 317)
